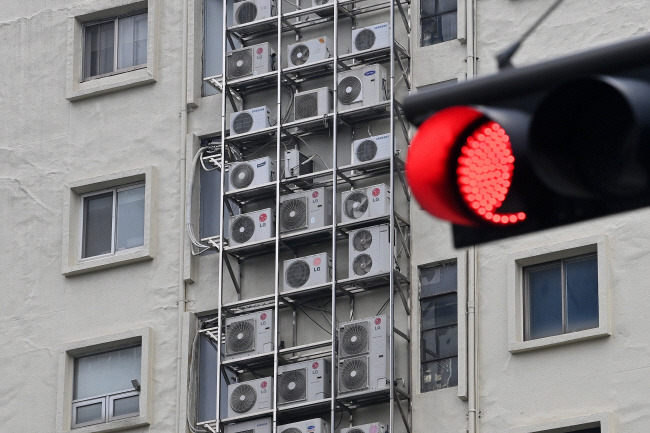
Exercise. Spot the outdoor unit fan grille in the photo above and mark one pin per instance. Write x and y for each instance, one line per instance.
(240, 336)
(243, 398)
(365, 39)
(362, 240)
(306, 105)
(366, 150)
(292, 430)
(247, 12)
(354, 374)
(300, 55)
(354, 339)
(242, 229)
(243, 122)
(349, 89)
(239, 63)
(297, 273)
(362, 264)
(356, 204)
(293, 214)
(292, 386)
(242, 175)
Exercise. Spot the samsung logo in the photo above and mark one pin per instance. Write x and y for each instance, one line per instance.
(369, 73)
(255, 110)
(381, 26)
(261, 164)
(379, 137)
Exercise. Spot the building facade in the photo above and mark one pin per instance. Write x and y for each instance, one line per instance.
(112, 173)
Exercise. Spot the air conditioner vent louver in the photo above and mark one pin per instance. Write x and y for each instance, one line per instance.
(355, 205)
(242, 175)
(300, 55)
(307, 105)
(292, 430)
(292, 386)
(366, 151)
(354, 339)
(239, 63)
(365, 39)
(354, 373)
(362, 240)
(242, 229)
(243, 398)
(293, 214)
(246, 12)
(297, 274)
(362, 264)
(349, 89)
(240, 336)
(242, 123)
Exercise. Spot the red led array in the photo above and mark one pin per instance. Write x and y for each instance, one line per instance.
(484, 173)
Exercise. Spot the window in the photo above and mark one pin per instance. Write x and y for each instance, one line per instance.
(113, 220)
(115, 45)
(561, 296)
(106, 386)
(439, 327)
(438, 21)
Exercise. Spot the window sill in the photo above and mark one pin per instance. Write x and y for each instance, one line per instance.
(110, 83)
(122, 258)
(557, 340)
(117, 425)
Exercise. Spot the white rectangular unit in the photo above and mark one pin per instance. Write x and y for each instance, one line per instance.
(249, 334)
(252, 227)
(375, 427)
(371, 37)
(247, 11)
(363, 355)
(296, 163)
(309, 51)
(253, 396)
(363, 86)
(250, 120)
(307, 271)
(372, 149)
(317, 425)
(253, 60)
(305, 210)
(312, 103)
(245, 174)
(304, 381)
(262, 425)
(364, 203)
(369, 251)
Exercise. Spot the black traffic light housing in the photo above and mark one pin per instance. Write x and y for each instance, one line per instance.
(578, 128)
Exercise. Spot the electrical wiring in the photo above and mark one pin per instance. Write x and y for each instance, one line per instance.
(312, 319)
(383, 307)
(192, 386)
(313, 151)
(195, 243)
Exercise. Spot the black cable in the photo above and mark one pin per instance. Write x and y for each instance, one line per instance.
(310, 318)
(382, 307)
(340, 419)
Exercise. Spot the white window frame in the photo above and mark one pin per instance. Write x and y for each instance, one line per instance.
(78, 87)
(87, 402)
(66, 404)
(73, 222)
(568, 425)
(516, 288)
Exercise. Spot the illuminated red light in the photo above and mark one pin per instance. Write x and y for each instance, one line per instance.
(484, 170)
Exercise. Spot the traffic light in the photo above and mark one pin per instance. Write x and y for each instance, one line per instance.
(535, 147)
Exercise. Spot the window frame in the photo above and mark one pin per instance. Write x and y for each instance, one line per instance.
(569, 425)
(422, 17)
(516, 291)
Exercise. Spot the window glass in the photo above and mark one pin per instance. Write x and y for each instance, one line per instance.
(140, 40)
(207, 401)
(440, 343)
(545, 301)
(438, 21)
(439, 311)
(582, 293)
(130, 218)
(126, 405)
(439, 374)
(132, 37)
(106, 373)
(438, 279)
(97, 225)
(89, 413)
(212, 42)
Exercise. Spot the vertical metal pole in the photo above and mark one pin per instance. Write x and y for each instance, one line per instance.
(278, 132)
(391, 320)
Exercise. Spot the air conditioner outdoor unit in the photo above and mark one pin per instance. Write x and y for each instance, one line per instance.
(312, 103)
(304, 381)
(309, 51)
(296, 163)
(366, 85)
(307, 271)
(316, 425)
(305, 210)
(372, 149)
(249, 334)
(364, 203)
(375, 427)
(253, 60)
(247, 398)
(255, 172)
(370, 38)
(369, 251)
(252, 227)
(250, 120)
(247, 11)
(262, 425)
(363, 355)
